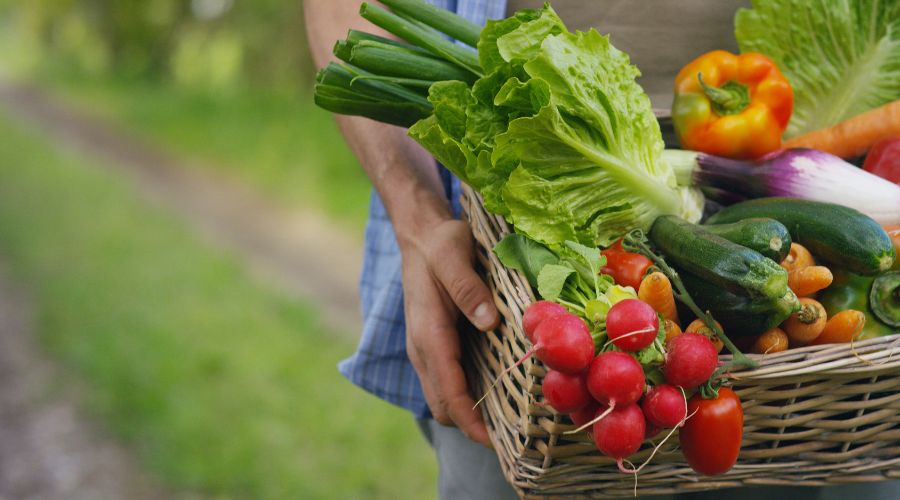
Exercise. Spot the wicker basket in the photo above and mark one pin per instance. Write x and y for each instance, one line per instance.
(813, 416)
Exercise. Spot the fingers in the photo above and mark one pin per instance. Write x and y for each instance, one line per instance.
(451, 262)
(436, 360)
(433, 346)
(457, 402)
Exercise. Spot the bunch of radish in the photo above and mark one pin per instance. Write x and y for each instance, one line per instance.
(608, 391)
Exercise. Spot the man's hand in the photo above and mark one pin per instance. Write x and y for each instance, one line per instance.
(439, 281)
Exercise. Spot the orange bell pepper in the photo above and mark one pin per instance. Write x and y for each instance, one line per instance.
(730, 105)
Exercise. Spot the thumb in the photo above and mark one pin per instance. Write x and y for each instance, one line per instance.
(466, 289)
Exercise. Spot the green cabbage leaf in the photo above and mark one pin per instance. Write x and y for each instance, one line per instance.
(841, 57)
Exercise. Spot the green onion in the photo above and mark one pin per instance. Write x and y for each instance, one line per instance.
(356, 36)
(387, 60)
(356, 80)
(406, 82)
(446, 22)
(418, 35)
(342, 50)
(395, 113)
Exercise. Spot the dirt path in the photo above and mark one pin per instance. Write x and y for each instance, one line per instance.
(300, 252)
(48, 450)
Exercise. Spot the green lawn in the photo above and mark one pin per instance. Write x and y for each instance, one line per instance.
(220, 384)
(283, 145)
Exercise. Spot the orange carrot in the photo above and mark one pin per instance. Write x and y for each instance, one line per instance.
(853, 136)
(656, 290)
(774, 340)
(798, 257)
(893, 230)
(809, 280)
(698, 326)
(672, 330)
(805, 325)
(842, 327)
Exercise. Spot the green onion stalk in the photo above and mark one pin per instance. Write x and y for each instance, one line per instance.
(388, 80)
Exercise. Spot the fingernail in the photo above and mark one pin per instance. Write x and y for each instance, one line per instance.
(483, 315)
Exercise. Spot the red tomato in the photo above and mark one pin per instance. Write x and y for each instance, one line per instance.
(883, 159)
(626, 268)
(616, 247)
(711, 438)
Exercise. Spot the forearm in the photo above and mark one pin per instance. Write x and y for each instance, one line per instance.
(403, 173)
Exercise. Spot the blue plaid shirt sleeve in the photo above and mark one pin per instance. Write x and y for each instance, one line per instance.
(380, 365)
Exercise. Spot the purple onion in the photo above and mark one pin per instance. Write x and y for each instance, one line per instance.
(802, 173)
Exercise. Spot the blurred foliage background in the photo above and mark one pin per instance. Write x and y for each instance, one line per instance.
(223, 81)
(211, 44)
(222, 386)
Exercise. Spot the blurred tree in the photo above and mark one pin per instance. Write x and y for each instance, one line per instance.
(195, 42)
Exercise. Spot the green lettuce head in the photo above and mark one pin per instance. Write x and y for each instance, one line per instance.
(842, 58)
(557, 136)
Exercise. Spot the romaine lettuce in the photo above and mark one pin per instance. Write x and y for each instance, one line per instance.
(841, 57)
(558, 136)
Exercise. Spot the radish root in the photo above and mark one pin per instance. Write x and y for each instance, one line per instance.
(656, 448)
(592, 422)
(527, 355)
(631, 334)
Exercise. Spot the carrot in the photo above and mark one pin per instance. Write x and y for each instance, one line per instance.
(809, 280)
(805, 325)
(797, 258)
(656, 290)
(672, 330)
(698, 326)
(854, 136)
(842, 327)
(893, 230)
(774, 340)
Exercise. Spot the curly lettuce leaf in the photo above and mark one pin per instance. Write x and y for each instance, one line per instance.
(842, 58)
(589, 165)
(559, 138)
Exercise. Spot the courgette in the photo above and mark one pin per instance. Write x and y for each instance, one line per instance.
(728, 265)
(767, 236)
(839, 235)
(884, 298)
(739, 315)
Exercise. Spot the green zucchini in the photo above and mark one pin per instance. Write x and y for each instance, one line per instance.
(884, 298)
(739, 315)
(728, 265)
(767, 236)
(837, 234)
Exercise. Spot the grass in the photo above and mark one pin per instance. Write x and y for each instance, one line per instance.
(221, 385)
(283, 145)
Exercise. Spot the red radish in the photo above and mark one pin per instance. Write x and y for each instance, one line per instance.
(621, 433)
(586, 414)
(536, 313)
(565, 392)
(615, 378)
(650, 430)
(563, 343)
(632, 324)
(664, 406)
(690, 361)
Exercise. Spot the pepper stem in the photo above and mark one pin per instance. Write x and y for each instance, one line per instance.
(729, 99)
